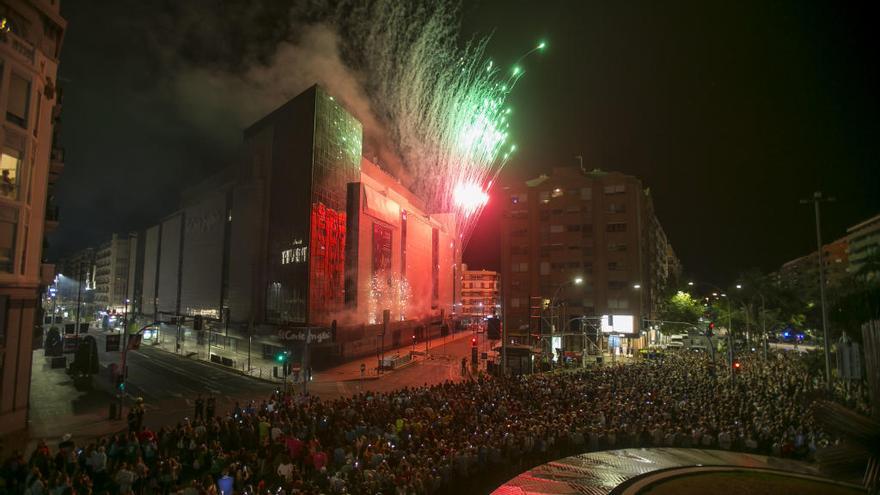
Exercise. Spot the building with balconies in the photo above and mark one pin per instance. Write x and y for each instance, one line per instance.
(31, 33)
(479, 293)
(111, 274)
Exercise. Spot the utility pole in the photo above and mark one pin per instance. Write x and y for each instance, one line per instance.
(816, 199)
(78, 298)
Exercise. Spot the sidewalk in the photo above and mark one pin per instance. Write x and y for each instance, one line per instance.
(262, 368)
(59, 408)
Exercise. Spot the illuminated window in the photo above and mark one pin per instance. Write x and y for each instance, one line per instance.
(10, 164)
(616, 227)
(557, 229)
(616, 208)
(18, 99)
(615, 189)
(544, 196)
(557, 193)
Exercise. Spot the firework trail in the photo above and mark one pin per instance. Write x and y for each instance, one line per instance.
(443, 102)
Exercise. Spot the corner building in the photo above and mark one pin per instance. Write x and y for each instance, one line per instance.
(596, 227)
(304, 232)
(31, 33)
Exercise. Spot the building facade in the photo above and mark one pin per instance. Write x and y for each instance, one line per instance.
(479, 293)
(31, 33)
(303, 233)
(581, 244)
(802, 274)
(863, 242)
(111, 274)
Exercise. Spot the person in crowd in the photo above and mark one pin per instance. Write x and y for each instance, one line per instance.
(423, 440)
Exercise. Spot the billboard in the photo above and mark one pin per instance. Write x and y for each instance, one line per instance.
(618, 324)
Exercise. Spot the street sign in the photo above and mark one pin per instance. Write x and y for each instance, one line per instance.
(112, 342)
(314, 335)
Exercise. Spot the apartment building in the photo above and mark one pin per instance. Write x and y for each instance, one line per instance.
(479, 293)
(581, 244)
(111, 273)
(30, 43)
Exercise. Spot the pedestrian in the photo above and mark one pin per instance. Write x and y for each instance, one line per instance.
(463, 366)
(210, 407)
(200, 408)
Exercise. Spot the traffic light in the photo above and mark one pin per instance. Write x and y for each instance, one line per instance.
(710, 329)
(736, 365)
(281, 357)
(473, 341)
(198, 322)
(120, 383)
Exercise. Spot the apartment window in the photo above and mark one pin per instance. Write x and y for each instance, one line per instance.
(519, 250)
(586, 193)
(545, 268)
(618, 304)
(615, 266)
(615, 189)
(514, 302)
(10, 167)
(556, 229)
(8, 227)
(573, 228)
(617, 284)
(544, 196)
(616, 247)
(616, 208)
(19, 97)
(616, 227)
(519, 267)
(518, 233)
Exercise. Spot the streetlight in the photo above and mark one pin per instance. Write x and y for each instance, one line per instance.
(577, 280)
(763, 319)
(637, 286)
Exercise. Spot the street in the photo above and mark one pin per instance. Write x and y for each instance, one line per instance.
(169, 383)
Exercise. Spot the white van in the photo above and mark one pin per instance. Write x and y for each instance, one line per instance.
(676, 341)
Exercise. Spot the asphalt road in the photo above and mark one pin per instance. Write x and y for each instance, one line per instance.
(169, 383)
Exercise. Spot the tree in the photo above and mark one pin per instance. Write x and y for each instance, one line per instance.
(681, 307)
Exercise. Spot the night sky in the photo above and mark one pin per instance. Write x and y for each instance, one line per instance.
(729, 111)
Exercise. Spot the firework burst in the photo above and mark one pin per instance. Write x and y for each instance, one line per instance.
(443, 102)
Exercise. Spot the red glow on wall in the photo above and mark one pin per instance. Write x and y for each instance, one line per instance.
(326, 263)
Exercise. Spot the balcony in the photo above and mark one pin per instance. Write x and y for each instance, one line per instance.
(56, 162)
(52, 218)
(20, 46)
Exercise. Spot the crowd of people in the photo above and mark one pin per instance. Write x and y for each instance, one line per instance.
(439, 438)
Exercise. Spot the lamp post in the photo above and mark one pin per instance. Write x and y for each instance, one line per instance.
(763, 319)
(816, 199)
(577, 280)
